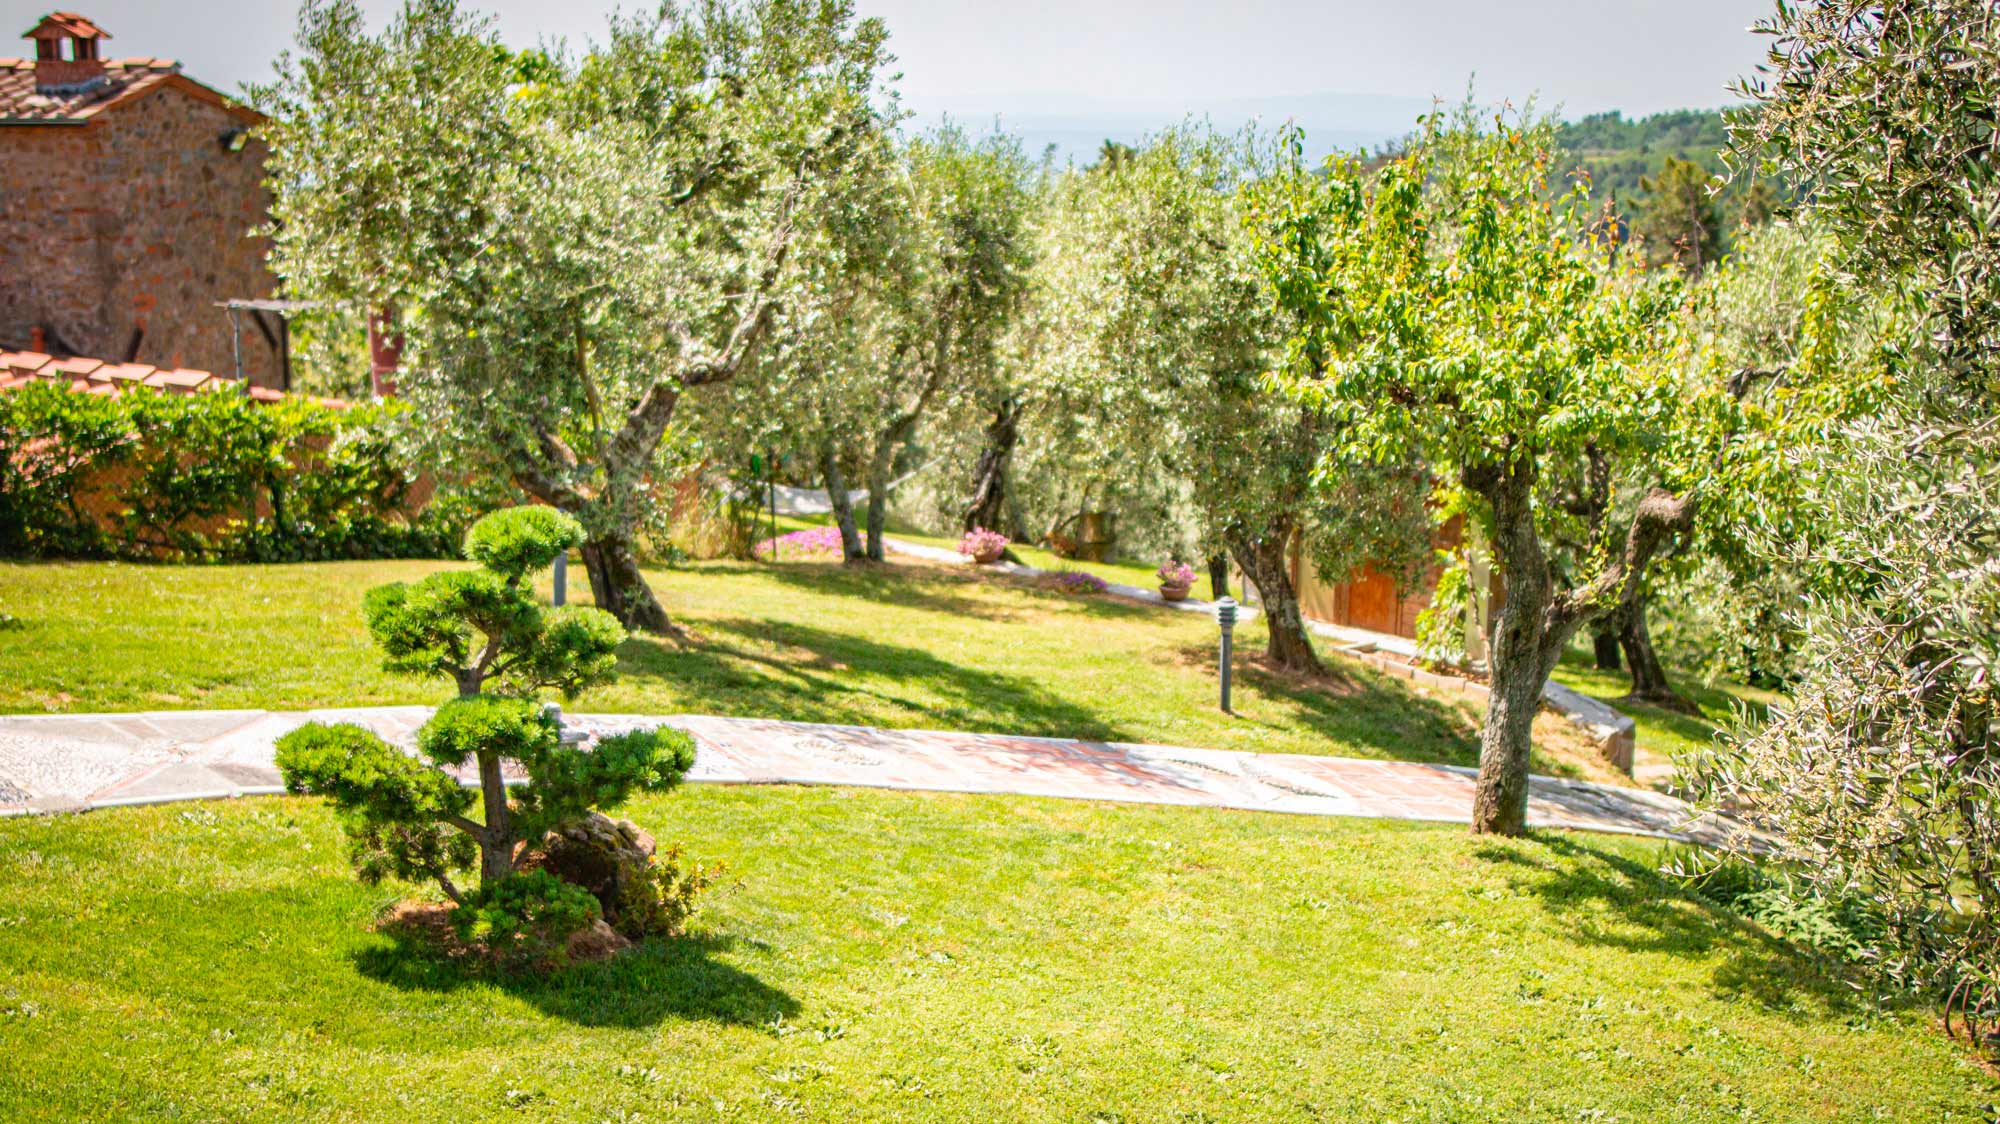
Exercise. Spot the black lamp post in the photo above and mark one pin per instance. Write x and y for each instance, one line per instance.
(1225, 616)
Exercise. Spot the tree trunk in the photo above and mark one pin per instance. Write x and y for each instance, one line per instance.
(496, 848)
(843, 506)
(620, 589)
(1218, 575)
(1649, 677)
(989, 476)
(1263, 560)
(1604, 644)
(878, 493)
(1521, 652)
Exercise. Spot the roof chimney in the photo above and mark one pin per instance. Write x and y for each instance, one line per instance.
(66, 58)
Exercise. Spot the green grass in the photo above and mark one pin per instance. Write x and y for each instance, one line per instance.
(1139, 573)
(1668, 733)
(890, 956)
(897, 646)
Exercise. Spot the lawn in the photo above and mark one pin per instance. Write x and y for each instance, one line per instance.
(925, 957)
(902, 645)
(1665, 735)
(1126, 571)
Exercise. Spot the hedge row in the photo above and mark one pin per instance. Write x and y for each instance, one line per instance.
(208, 477)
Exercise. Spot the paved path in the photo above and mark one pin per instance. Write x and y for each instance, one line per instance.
(91, 761)
(1614, 732)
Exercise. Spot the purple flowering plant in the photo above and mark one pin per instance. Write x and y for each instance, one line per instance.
(810, 544)
(1177, 574)
(1076, 582)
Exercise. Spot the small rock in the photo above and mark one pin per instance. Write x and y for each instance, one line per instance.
(598, 942)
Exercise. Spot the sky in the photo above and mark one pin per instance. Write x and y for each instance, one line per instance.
(1067, 70)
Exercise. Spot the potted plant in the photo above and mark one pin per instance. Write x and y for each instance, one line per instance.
(983, 546)
(1176, 578)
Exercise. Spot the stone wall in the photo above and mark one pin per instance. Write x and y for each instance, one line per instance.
(121, 235)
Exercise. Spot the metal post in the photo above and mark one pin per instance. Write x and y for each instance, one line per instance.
(771, 479)
(1225, 616)
(562, 578)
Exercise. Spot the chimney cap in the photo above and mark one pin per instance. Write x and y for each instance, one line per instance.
(65, 25)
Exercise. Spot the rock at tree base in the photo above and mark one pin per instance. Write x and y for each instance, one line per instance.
(598, 942)
(610, 858)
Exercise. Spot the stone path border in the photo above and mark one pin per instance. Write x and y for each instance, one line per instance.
(1613, 733)
(69, 763)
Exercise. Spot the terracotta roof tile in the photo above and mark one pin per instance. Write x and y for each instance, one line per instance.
(21, 104)
(24, 362)
(94, 376)
(61, 25)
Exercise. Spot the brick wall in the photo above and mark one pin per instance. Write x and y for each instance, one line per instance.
(137, 222)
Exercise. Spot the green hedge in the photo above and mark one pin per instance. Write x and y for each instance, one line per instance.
(208, 477)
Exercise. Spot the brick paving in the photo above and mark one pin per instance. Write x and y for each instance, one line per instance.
(69, 763)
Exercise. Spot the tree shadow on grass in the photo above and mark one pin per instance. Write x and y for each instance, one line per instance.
(656, 981)
(1604, 898)
(907, 587)
(928, 587)
(1362, 713)
(809, 674)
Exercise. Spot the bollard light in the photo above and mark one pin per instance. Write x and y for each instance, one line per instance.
(1225, 617)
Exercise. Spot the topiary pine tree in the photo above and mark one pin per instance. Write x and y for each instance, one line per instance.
(483, 630)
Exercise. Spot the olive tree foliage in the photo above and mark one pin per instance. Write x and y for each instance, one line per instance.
(1162, 331)
(483, 631)
(914, 280)
(1879, 778)
(1775, 358)
(568, 245)
(1450, 310)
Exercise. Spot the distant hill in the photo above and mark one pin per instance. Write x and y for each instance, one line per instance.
(1618, 151)
(1075, 128)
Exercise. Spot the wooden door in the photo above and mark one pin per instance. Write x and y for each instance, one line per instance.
(1371, 601)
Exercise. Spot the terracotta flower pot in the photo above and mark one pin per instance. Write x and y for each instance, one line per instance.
(1174, 592)
(988, 557)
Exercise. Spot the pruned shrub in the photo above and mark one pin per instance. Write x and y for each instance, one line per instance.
(525, 919)
(411, 818)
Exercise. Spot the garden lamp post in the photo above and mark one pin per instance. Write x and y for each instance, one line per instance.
(1225, 616)
(561, 579)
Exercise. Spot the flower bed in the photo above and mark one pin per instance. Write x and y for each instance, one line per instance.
(1074, 582)
(815, 544)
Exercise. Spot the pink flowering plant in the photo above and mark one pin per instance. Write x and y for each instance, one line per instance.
(982, 545)
(1180, 575)
(1076, 582)
(812, 544)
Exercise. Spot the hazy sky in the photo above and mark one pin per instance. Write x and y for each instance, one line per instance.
(1159, 55)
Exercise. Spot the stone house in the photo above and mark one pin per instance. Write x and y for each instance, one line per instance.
(129, 197)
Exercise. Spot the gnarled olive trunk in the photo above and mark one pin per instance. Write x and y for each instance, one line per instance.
(989, 475)
(1536, 621)
(1218, 575)
(842, 503)
(1604, 647)
(1263, 560)
(612, 562)
(878, 494)
(1649, 676)
(1521, 651)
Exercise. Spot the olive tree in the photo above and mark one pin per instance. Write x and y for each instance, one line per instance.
(1163, 328)
(1879, 778)
(1448, 310)
(568, 245)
